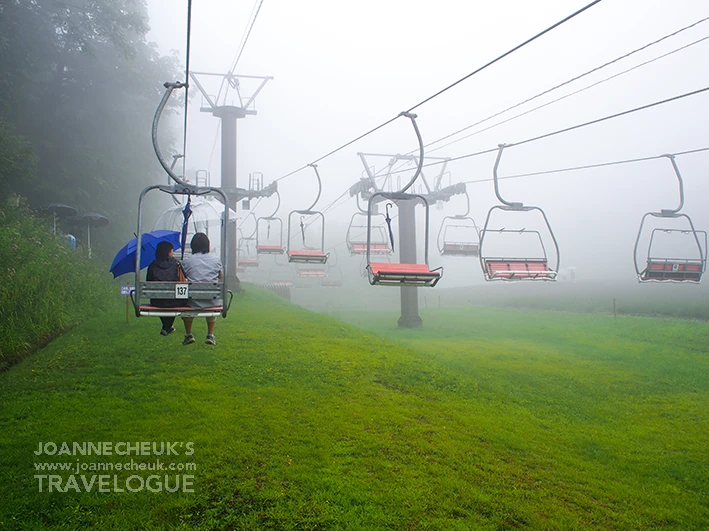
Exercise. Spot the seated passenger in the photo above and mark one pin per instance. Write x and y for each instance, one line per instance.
(164, 269)
(201, 267)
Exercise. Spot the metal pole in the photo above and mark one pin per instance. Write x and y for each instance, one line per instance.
(127, 306)
(407, 255)
(229, 115)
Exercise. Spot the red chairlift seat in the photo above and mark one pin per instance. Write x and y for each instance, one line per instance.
(269, 249)
(248, 262)
(516, 269)
(374, 248)
(460, 249)
(673, 270)
(312, 272)
(303, 256)
(394, 274)
(466, 241)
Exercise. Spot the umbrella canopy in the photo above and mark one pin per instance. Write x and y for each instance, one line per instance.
(204, 214)
(94, 219)
(60, 210)
(124, 261)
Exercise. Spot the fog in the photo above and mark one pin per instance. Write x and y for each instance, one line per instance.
(341, 70)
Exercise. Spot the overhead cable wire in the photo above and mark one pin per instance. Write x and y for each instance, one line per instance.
(246, 39)
(546, 135)
(240, 50)
(571, 128)
(611, 117)
(580, 76)
(214, 145)
(531, 39)
(557, 99)
(187, 86)
(589, 166)
(474, 72)
(567, 129)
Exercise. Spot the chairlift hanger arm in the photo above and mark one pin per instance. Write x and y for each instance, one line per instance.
(273, 215)
(359, 207)
(315, 167)
(412, 117)
(251, 214)
(681, 188)
(467, 208)
(511, 205)
(169, 87)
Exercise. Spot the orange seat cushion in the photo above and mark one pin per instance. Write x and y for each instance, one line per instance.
(385, 267)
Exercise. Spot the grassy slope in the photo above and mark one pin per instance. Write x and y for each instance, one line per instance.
(487, 419)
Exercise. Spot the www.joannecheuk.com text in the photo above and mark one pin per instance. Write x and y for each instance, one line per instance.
(117, 448)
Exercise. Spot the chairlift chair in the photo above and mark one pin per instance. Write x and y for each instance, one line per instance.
(307, 254)
(269, 240)
(281, 274)
(400, 274)
(186, 291)
(333, 278)
(356, 238)
(246, 256)
(183, 291)
(515, 265)
(311, 270)
(265, 243)
(459, 235)
(663, 266)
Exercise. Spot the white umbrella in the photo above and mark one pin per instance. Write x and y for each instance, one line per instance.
(205, 214)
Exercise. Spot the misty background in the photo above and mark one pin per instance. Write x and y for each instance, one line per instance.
(340, 70)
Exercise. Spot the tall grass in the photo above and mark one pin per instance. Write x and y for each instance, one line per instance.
(46, 286)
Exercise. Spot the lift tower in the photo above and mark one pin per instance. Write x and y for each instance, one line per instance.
(229, 114)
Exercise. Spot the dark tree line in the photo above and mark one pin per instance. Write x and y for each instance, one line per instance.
(79, 84)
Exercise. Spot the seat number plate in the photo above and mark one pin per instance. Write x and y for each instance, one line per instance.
(182, 291)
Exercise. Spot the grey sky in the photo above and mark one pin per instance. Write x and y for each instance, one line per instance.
(341, 68)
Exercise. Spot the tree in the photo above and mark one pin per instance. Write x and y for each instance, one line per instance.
(81, 83)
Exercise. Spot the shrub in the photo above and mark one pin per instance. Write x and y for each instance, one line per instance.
(46, 289)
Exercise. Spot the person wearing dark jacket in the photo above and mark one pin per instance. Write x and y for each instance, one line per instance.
(164, 269)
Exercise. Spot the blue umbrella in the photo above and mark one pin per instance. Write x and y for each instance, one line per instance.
(186, 213)
(124, 262)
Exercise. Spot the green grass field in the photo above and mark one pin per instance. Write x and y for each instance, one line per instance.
(483, 419)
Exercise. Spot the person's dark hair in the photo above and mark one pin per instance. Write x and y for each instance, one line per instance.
(200, 243)
(162, 251)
